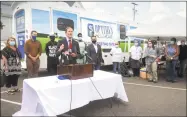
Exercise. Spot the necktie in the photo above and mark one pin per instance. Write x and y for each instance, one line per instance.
(70, 44)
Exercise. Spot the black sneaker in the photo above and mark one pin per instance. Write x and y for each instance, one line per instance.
(168, 80)
(173, 81)
(150, 80)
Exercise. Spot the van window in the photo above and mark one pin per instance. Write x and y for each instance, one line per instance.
(62, 23)
(106, 50)
(122, 32)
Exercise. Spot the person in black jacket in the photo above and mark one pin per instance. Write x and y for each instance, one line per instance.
(182, 58)
(68, 48)
(52, 60)
(94, 53)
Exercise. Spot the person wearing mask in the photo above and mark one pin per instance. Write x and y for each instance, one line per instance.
(12, 61)
(151, 55)
(135, 57)
(94, 53)
(116, 54)
(82, 45)
(33, 50)
(172, 53)
(182, 58)
(68, 48)
(52, 60)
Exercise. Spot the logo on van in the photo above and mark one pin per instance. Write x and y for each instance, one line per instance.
(100, 30)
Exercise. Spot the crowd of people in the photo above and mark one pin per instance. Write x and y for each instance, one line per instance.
(69, 51)
(172, 52)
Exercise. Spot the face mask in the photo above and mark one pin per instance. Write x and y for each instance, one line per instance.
(172, 42)
(94, 41)
(52, 38)
(12, 43)
(182, 43)
(136, 44)
(80, 38)
(117, 46)
(34, 38)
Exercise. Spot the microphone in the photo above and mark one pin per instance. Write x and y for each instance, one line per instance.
(86, 54)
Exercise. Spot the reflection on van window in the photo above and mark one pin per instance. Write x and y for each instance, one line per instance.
(62, 23)
(122, 32)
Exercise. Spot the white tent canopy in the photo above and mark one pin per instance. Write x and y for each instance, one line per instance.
(165, 29)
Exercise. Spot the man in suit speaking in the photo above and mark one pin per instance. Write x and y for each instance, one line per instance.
(94, 53)
(68, 48)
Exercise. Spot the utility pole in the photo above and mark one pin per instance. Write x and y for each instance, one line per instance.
(134, 10)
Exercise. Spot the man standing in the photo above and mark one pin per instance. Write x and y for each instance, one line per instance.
(82, 46)
(94, 53)
(135, 55)
(182, 58)
(33, 50)
(68, 48)
(52, 60)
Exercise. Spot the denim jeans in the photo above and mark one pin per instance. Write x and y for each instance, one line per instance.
(171, 69)
(115, 66)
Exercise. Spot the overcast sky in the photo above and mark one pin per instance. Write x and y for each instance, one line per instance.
(147, 11)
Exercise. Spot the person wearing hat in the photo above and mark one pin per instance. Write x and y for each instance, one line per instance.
(172, 54)
(182, 58)
(52, 60)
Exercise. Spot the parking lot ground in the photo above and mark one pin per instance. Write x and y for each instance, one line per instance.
(145, 99)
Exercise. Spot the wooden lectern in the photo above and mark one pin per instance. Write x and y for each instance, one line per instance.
(76, 71)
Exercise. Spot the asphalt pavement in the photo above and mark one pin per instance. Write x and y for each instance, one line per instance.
(145, 99)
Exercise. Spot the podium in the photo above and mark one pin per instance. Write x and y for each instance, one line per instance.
(76, 71)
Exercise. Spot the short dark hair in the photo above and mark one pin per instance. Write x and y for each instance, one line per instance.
(79, 34)
(33, 31)
(173, 39)
(68, 27)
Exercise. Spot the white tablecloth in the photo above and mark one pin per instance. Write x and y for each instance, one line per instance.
(48, 96)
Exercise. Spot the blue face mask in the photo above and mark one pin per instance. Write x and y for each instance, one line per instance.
(34, 38)
(12, 43)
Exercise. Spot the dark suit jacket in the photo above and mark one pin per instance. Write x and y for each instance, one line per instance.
(75, 49)
(96, 57)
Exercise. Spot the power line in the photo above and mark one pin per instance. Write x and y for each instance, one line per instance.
(134, 10)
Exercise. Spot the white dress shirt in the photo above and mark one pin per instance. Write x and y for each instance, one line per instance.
(136, 52)
(116, 54)
(95, 46)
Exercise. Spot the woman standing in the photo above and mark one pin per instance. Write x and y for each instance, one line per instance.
(172, 53)
(151, 54)
(116, 54)
(12, 58)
